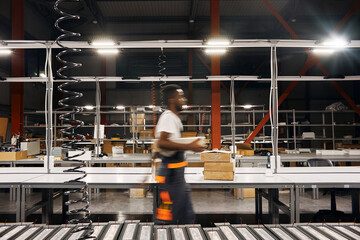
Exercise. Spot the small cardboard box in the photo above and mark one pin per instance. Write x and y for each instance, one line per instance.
(11, 156)
(245, 152)
(189, 134)
(219, 166)
(246, 192)
(137, 192)
(107, 146)
(212, 156)
(214, 175)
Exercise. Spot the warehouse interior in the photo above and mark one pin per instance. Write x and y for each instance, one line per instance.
(272, 89)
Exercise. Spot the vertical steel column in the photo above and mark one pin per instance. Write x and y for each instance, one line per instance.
(97, 118)
(17, 69)
(274, 100)
(215, 85)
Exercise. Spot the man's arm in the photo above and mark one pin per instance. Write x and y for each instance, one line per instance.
(167, 144)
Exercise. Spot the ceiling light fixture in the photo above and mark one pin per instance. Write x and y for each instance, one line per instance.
(215, 51)
(5, 52)
(324, 51)
(218, 42)
(120, 107)
(89, 107)
(109, 51)
(247, 106)
(103, 43)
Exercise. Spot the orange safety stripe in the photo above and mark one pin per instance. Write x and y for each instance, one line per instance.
(164, 214)
(165, 197)
(178, 165)
(160, 179)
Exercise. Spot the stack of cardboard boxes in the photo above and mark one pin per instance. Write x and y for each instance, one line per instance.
(218, 165)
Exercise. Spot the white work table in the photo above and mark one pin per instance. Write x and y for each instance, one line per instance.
(322, 177)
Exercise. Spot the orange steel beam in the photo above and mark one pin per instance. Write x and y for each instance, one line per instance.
(203, 61)
(310, 62)
(215, 85)
(347, 98)
(17, 69)
(267, 116)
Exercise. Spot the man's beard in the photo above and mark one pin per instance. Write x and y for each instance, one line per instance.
(179, 108)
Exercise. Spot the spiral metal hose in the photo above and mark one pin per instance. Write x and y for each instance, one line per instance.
(68, 117)
(162, 68)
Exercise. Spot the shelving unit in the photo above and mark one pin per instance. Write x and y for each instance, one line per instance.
(292, 123)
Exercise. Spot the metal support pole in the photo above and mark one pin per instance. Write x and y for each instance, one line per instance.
(215, 85)
(233, 129)
(274, 92)
(97, 118)
(49, 111)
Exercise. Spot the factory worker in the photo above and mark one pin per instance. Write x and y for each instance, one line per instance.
(174, 206)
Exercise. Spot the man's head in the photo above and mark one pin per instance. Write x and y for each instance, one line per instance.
(174, 96)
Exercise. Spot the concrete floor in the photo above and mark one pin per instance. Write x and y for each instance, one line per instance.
(204, 202)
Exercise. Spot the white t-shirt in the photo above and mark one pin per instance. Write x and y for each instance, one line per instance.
(169, 122)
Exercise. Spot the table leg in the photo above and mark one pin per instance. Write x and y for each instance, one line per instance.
(292, 205)
(257, 203)
(22, 199)
(355, 203)
(18, 204)
(155, 200)
(65, 208)
(46, 208)
(273, 210)
(297, 205)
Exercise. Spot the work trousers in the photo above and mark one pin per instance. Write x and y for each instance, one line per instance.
(175, 206)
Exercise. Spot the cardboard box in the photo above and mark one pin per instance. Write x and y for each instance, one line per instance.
(246, 192)
(215, 156)
(137, 119)
(32, 148)
(245, 152)
(189, 134)
(214, 175)
(146, 134)
(219, 166)
(137, 192)
(11, 156)
(108, 144)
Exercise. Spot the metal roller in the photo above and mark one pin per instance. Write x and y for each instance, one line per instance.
(195, 232)
(281, 232)
(161, 232)
(43, 233)
(243, 232)
(111, 231)
(313, 232)
(13, 232)
(214, 234)
(260, 232)
(178, 232)
(61, 232)
(31, 231)
(129, 230)
(145, 231)
(227, 230)
(346, 231)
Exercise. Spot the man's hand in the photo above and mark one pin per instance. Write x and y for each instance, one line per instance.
(195, 146)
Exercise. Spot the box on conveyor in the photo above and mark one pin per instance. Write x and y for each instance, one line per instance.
(215, 156)
(217, 175)
(219, 166)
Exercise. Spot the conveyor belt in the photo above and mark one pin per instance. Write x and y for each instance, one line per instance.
(134, 230)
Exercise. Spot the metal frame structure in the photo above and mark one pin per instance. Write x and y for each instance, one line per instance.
(272, 44)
